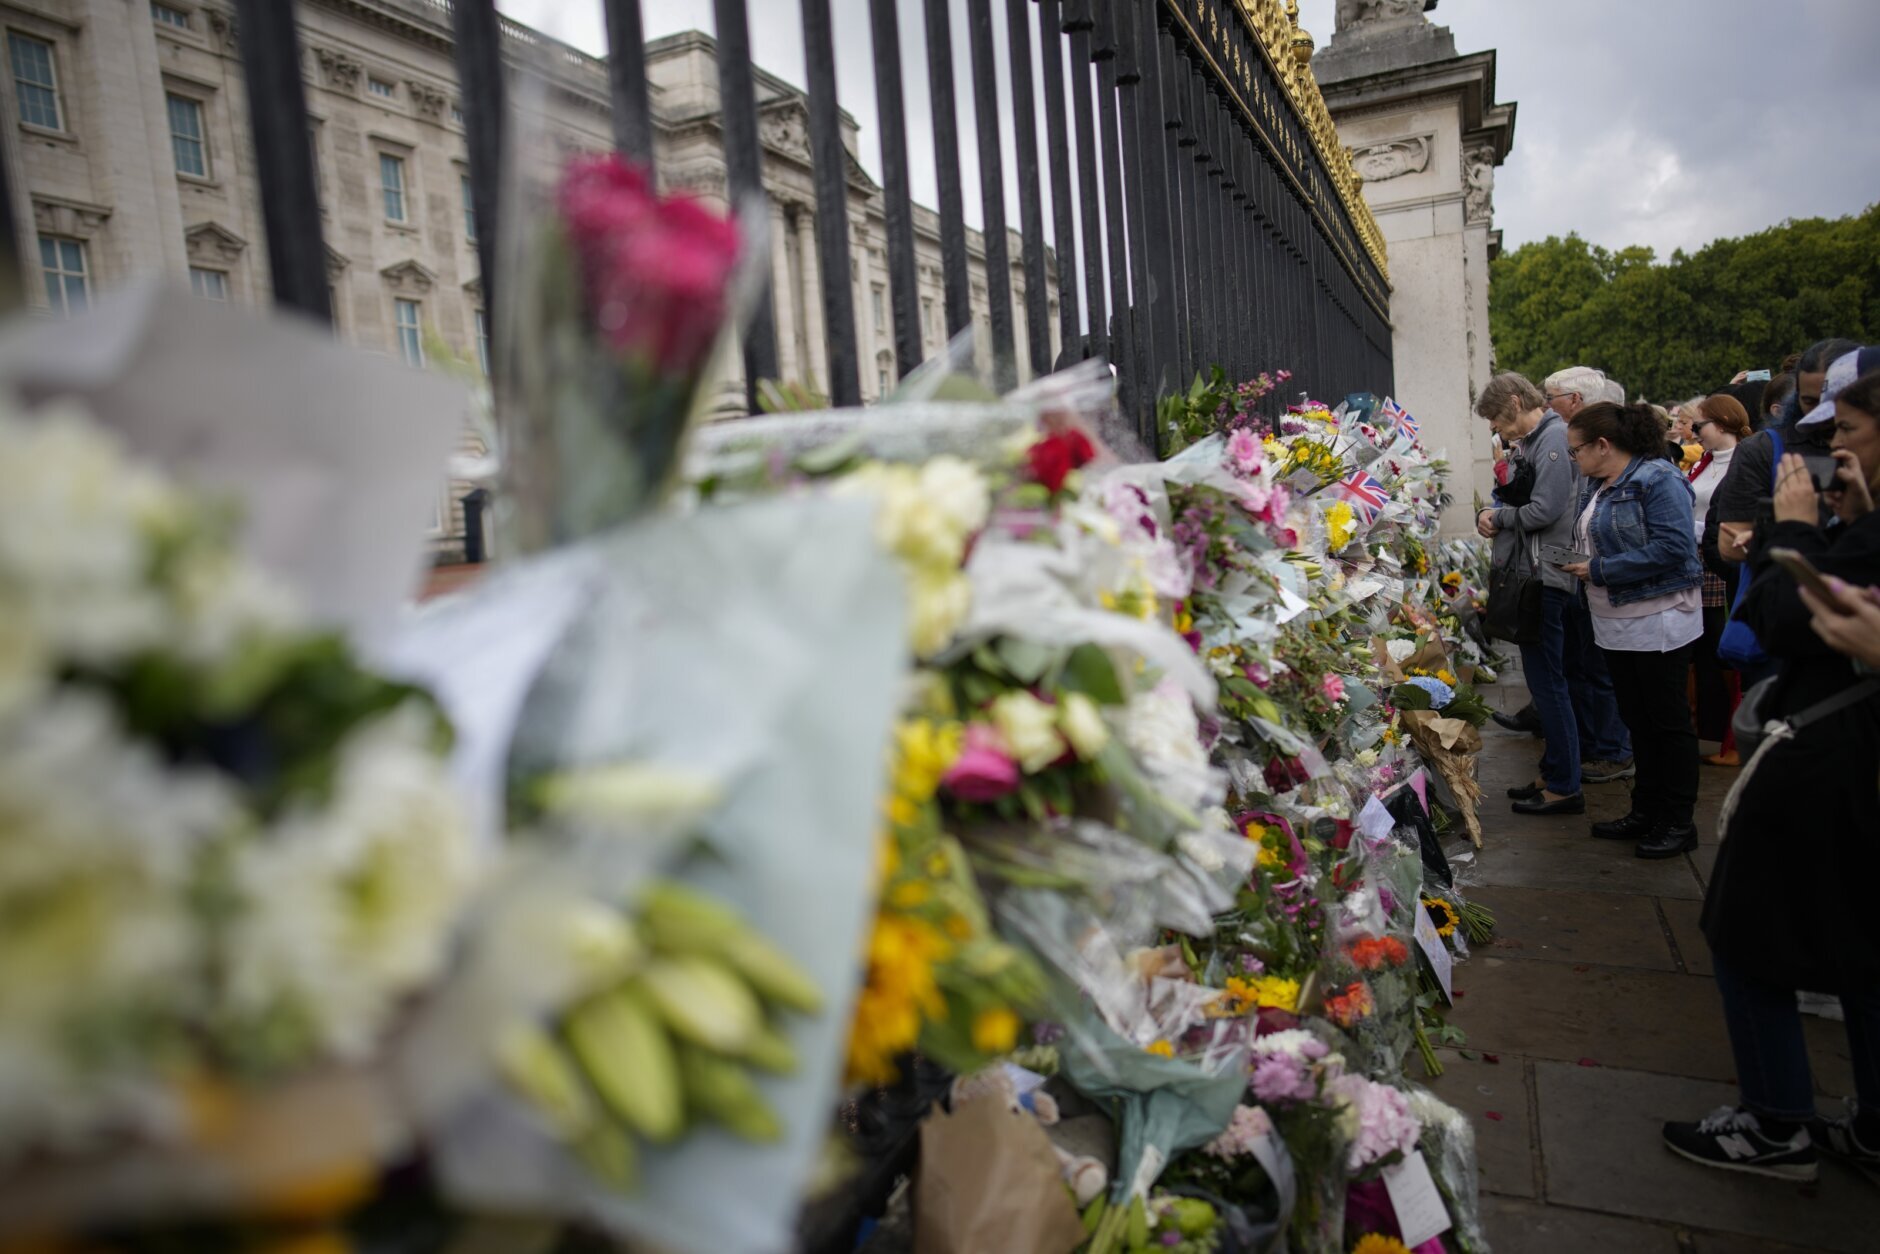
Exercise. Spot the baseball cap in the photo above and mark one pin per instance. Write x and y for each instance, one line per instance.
(1842, 372)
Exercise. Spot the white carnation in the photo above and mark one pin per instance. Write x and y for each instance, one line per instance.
(1083, 725)
(349, 908)
(1029, 727)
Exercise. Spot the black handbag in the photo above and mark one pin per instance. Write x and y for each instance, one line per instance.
(1514, 597)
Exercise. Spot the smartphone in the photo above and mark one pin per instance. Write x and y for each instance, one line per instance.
(1810, 578)
(1556, 555)
(1822, 469)
(1756, 376)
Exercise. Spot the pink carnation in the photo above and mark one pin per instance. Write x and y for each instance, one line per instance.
(1243, 452)
(984, 771)
(1333, 687)
(1280, 1077)
(1385, 1125)
(1249, 1126)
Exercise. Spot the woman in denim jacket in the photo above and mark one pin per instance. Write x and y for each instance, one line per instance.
(1643, 584)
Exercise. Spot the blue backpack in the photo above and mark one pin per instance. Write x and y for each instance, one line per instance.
(1738, 645)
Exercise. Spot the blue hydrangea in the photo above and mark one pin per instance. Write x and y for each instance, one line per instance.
(1441, 694)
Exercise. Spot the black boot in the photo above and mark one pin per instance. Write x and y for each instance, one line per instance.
(1633, 826)
(1668, 840)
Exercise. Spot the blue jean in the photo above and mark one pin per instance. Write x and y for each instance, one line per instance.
(1772, 1054)
(1545, 665)
(1603, 733)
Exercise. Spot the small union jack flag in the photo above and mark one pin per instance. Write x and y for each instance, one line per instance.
(1367, 496)
(1400, 420)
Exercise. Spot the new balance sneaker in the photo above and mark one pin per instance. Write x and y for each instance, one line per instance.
(1733, 1139)
(1841, 1137)
(1606, 770)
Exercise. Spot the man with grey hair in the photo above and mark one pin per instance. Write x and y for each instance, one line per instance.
(1605, 744)
(1573, 389)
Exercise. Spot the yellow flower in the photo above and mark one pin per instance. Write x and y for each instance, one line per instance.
(1184, 621)
(1378, 1243)
(995, 1031)
(910, 895)
(1340, 525)
(1161, 1049)
(900, 994)
(1447, 677)
(924, 751)
(1268, 858)
(1276, 992)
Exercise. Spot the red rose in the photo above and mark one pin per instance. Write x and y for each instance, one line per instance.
(656, 271)
(1056, 455)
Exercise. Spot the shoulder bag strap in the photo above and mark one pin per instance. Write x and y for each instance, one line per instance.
(1834, 705)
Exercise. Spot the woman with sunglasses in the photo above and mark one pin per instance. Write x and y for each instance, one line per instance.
(1720, 421)
(1643, 586)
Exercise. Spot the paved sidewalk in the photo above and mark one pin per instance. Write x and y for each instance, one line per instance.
(1591, 1019)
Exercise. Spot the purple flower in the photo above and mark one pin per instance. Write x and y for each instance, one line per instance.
(1282, 1078)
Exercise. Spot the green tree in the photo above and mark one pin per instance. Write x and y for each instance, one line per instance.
(1685, 325)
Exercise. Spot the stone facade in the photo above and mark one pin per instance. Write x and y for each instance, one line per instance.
(1426, 134)
(127, 132)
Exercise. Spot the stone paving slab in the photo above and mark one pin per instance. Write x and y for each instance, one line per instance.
(1613, 929)
(1578, 864)
(1517, 1227)
(1496, 1099)
(1683, 917)
(1602, 1151)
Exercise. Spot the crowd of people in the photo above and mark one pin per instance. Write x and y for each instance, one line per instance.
(1710, 572)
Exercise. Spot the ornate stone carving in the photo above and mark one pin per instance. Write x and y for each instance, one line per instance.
(1379, 163)
(223, 32)
(1366, 12)
(430, 101)
(336, 264)
(212, 244)
(71, 218)
(786, 130)
(699, 180)
(1478, 175)
(408, 278)
(337, 70)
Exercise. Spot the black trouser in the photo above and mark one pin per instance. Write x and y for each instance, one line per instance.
(1655, 709)
(1712, 678)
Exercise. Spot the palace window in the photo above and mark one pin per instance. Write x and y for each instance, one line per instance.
(209, 284)
(469, 210)
(483, 341)
(164, 15)
(186, 145)
(881, 310)
(410, 337)
(392, 183)
(382, 89)
(68, 285)
(35, 81)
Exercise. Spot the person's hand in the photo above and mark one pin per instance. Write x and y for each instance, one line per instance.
(1582, 571)
(1850, 497)
(1796, 498)
(1741, 376)
(1733, 541)
(1485, 524)
(1851, 627)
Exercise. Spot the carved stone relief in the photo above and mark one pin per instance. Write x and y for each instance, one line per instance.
(336, 264)
(223, 31)
(337, 70)
(1378, 163)
(70, 218)
(1478, 172)
(1352, 13)
(213, 245)
(408, 278)
(429, 100)
(786, 130)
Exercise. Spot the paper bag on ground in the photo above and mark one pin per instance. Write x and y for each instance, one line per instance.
(989, 1181)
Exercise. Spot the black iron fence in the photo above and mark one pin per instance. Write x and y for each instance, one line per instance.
(1220, 221)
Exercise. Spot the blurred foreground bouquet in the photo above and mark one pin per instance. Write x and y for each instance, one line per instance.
(620, 297)
(229, 854)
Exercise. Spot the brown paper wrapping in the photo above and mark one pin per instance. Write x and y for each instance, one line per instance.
(989, 1181)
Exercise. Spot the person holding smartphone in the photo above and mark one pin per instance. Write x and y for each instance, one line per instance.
(1643, 587)
(1790, 900)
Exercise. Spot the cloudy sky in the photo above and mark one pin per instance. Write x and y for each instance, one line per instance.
(1659, 122)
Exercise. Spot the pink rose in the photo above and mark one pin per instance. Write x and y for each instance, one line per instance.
(984, 771)
(1333, 687)
(656, 271)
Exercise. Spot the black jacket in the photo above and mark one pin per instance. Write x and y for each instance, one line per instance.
(1790, 901)
(1744, 495)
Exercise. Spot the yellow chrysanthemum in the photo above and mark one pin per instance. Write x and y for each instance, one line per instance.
(924, 751)
(1161, 1049)
(1378, 1243)
(1268, 858)
(1340, 524)
(1447, 676)
(899, 995)
(995, 1031)
(1276, 992)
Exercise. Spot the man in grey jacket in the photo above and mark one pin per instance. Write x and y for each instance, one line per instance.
(1540, 503)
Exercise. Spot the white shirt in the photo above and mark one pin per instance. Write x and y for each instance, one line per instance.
(1706, 485)
(1654, 625)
